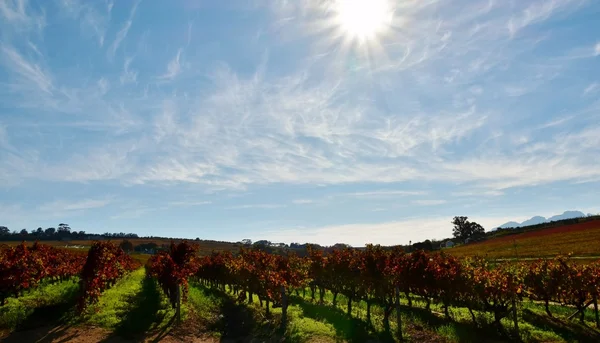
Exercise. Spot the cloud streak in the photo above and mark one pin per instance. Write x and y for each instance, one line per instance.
(93, 22)
(69, 206)
(173, 67)
(29, 76)
(122, 34)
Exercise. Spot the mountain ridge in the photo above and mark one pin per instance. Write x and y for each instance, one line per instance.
(540, 219)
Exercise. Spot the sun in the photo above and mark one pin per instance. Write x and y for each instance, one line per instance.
(363, 20)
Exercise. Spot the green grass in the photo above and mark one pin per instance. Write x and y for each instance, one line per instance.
(225, 318)
(46, 301)
(309, 320)
(136, 307)
(534, 324)
(133, 306)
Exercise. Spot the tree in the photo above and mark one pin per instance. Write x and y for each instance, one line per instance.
(50, 231)
(39, 231)
(425, 245)
(126, 246)
(64, 230)
(464, 229)
(24, 232)
(246, 241)
(4, 231)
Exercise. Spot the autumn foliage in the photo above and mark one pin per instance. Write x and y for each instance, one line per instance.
(23, 268)
(373, 274)
(105, 264)
(173, 268)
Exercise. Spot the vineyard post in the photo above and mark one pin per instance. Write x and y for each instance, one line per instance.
(398, 315)
(515, 318)
(514, 301)
(596, 312)
(284, 306)
(178, 309)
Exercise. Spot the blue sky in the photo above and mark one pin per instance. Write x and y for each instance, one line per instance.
(282, 120)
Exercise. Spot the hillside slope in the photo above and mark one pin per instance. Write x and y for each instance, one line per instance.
(580, 239)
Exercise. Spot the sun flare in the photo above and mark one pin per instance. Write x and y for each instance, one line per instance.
(363, 19)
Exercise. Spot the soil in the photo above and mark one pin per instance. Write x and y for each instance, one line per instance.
(88, 334)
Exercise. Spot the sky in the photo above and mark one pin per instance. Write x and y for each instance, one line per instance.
(324, 121)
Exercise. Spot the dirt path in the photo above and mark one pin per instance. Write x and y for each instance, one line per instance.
(85, 334)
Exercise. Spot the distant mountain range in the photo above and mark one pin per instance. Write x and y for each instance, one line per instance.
(539, 219)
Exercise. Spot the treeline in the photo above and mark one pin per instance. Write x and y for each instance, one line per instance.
(61, 232)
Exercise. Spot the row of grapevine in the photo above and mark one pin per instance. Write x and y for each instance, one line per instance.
(172, 269)
(23, 268)
(559, 281)
(270, 277)
(105, 264)
(377, 276)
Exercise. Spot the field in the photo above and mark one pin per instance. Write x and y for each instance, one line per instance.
(134, 309)
(582, 240)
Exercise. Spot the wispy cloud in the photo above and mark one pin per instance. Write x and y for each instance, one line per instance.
(122, 34)
(128, 75)
(429, 202)
(478, 193)
(29, 76)
(93, 21)
(189, 203)
(592, 88)
(540, 11)
(255, 206)
(173, 68)
(4, 141)
(383, 193)
(19, 14)
(61, 206)
(597, 49)
(302, 201)
(556, 122)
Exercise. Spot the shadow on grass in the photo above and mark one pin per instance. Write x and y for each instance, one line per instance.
(347, 328)
(143, 313)
(420, 324)
(237, 322)
(460, 331)
(570, 331)
(46, 323)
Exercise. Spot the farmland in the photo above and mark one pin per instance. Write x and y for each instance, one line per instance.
(579, 239)
(345, 295)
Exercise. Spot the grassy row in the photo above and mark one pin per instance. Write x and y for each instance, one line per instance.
(135, 307)
(46, 300)
(309, 321)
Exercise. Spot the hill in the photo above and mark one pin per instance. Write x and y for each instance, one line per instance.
(579, 237)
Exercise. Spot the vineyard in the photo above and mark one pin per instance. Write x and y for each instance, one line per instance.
(379, 288)
(23, 268)
(580, 239)
(385, 279)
